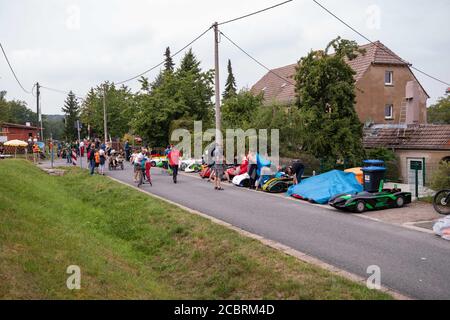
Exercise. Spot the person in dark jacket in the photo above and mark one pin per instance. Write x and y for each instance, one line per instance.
(296, 169)
(91, 158)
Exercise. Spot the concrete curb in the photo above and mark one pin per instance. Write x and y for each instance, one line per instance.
(273, 244)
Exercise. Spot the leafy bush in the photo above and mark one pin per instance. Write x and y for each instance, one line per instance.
(381, 154)
(441, 177)
(391, 162)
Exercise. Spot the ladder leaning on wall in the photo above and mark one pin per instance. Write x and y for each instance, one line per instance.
(401, 131)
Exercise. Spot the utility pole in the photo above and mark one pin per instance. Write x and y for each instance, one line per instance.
(38, 93)
(79, 141)
(217, 87)
(105, 127)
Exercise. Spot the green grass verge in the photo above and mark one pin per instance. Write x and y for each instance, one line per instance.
(132, 246)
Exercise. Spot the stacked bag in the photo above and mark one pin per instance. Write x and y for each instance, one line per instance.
(442, 228)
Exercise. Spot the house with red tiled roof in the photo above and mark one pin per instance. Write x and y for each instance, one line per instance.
(389, 100)
(387, 91)
(426, 143)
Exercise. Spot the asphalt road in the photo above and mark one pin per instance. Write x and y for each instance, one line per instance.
(413, 263)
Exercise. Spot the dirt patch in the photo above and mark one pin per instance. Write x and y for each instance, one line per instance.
(416, 212)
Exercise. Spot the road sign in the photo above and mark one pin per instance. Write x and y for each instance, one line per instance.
(416, 165)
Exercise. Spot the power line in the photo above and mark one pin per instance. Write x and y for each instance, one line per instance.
(256, 12)
(258, 62)
(162, 62)
(12, 70)
(61, 91)
(376, 44)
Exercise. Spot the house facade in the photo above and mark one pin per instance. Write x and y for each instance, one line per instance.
(12, 131)
(387, 91)
(426, 144)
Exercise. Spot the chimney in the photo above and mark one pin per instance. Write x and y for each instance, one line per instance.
(412, 102)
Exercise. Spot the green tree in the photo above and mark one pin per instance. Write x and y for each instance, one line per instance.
(168, 64)
(15, 111)
(71, 111)
(189, 64)
(53, 126)
(439, 113)
(119, 110)
(325, 88)
(230, 85)
(183, 94)
(240, 110)
(441, 177)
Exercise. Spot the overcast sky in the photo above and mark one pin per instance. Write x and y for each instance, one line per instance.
(74, 45)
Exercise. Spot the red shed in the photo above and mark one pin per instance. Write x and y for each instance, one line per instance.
(12, 131)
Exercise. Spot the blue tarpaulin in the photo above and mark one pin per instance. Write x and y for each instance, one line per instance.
(322, 188)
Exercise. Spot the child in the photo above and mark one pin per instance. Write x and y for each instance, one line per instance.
(148, 166)
(102, 161)
(97, 159)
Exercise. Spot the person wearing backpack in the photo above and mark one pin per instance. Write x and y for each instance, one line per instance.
(97, 159)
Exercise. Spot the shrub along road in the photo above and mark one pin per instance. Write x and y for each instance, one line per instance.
(411, 262)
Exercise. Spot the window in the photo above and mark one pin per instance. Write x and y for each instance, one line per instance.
(389, 78)
(389, 112)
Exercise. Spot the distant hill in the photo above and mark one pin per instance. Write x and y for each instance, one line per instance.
(54, 125)
(54, 117)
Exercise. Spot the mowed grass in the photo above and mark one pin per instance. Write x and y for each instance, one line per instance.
(132, 246)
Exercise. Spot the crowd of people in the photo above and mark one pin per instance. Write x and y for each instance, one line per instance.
(249, 164)
(99, 153)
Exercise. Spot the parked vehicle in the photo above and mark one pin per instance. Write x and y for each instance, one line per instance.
(367, 201)
(185, 163)
(160, 162)
(441, 202)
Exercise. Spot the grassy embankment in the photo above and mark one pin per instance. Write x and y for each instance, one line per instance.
(132, 246)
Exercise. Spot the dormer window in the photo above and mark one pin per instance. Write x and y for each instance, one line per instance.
(389, 78)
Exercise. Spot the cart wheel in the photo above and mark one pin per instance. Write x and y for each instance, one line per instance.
(400, 202)
(360, 207)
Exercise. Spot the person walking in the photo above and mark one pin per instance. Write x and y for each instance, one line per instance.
(137, 160)
(148, 166)
(102, 161)
(218, 169)
(97, 159)
(174, 162)
(91, 158)
(81, 148)
(127, 149)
